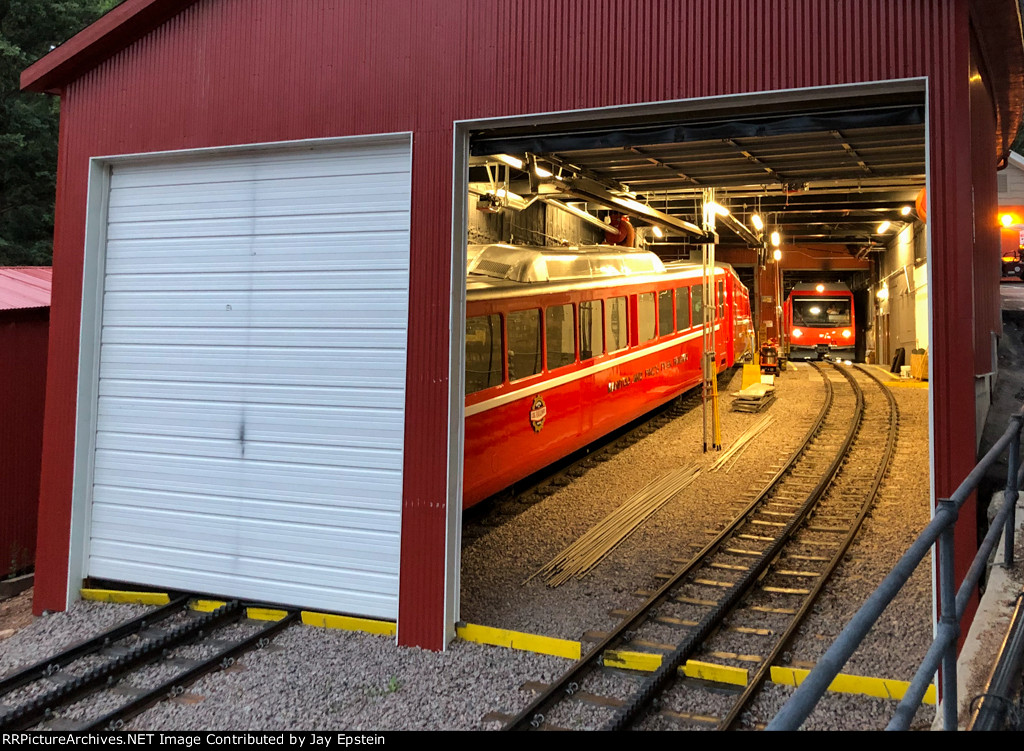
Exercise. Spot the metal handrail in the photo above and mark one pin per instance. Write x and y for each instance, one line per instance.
(951, 607)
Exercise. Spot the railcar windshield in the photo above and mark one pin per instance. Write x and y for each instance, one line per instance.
(821, 311)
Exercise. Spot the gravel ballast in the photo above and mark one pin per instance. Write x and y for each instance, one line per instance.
(313, 678)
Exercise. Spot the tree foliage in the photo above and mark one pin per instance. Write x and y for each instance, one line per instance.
(28, 123)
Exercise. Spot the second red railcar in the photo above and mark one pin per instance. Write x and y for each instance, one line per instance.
(820, 322)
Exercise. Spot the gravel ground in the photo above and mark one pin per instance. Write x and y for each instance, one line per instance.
(496, 565)
(323, 679)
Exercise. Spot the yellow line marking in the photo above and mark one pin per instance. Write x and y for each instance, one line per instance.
(499, 637)
(265, 614)
(206, 606)
(626, 660)
(883, 688)
(349, 623)
(707, 671)
(132, 598)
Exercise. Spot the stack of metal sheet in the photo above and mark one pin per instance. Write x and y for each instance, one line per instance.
(754, 398)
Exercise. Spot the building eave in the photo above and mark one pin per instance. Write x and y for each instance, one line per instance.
(116, 30)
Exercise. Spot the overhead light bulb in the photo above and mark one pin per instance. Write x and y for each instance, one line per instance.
(820, 288)
(756, 221)
(776, 239)
(777, 255)
(511, 161)
(905, 211)
(717, 208)
(883, 227)
(1006, 219)
(657, 231)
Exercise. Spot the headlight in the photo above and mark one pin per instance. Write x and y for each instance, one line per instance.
(846, 333)
(797, 332)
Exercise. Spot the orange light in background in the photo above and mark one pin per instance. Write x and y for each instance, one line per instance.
(1006, 219)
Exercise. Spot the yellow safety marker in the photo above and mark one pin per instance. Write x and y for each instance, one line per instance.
(499, 637)
(349, 623)
(882, 688)
(131, 598)
(206, 606)
(265, 614)
(707, 671)
(646, 661)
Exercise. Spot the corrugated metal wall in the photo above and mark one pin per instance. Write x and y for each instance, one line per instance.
(238, 71)
(23, 336)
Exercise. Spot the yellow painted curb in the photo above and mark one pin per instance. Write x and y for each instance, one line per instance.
(707, 671)
(499, 637)
(646, 661)
(348, 623)
(206, 606)
(265, 614)
(132, 598)
(883, 688)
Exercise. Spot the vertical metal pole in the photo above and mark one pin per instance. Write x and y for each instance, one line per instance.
(1010, 495)
(947, 617)
(707, 356)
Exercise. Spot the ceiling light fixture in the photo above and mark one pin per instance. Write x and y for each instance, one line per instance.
(1006, 219)
(717, 208)
(777, 254)
(905, 211)
(511, 161)
(657, 231)
(540, 171)
(776, 239)
(883, 227)
(756, 221)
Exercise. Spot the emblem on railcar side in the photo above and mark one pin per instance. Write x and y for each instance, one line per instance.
(538, 411)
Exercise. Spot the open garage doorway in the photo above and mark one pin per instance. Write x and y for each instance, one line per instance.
(806, 187)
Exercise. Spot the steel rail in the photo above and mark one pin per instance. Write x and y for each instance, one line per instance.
(50, 665)
(806, 697)
(32, 712)
(782, 643)
(997, 699)
(568, 683)
(670, 664)
(175, 686)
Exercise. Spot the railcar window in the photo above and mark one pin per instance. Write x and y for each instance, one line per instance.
(682, 308)
(821, 311)
(561, 337)
(523, 344)
(616, 323)
(483, 352)
(665, 312)
(591, 332)
(645, 316)
(721, 300)
(697, 305)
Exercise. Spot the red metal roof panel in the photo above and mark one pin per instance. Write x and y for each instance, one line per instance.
(25, 287)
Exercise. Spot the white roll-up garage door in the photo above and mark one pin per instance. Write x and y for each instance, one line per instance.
(251, 394)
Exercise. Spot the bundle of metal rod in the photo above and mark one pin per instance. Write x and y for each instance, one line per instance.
(581, 556)
(741, 443)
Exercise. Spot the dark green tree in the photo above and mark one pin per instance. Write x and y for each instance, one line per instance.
(28, 123)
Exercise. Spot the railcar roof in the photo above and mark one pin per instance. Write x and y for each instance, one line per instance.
(481, 287)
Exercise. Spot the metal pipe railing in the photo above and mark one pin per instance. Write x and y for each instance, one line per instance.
(951, 607)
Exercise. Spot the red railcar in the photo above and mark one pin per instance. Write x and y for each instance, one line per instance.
(564, 346)
(819, 322)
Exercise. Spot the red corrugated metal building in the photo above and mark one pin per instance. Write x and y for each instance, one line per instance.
(181, 75)
(24, 328)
